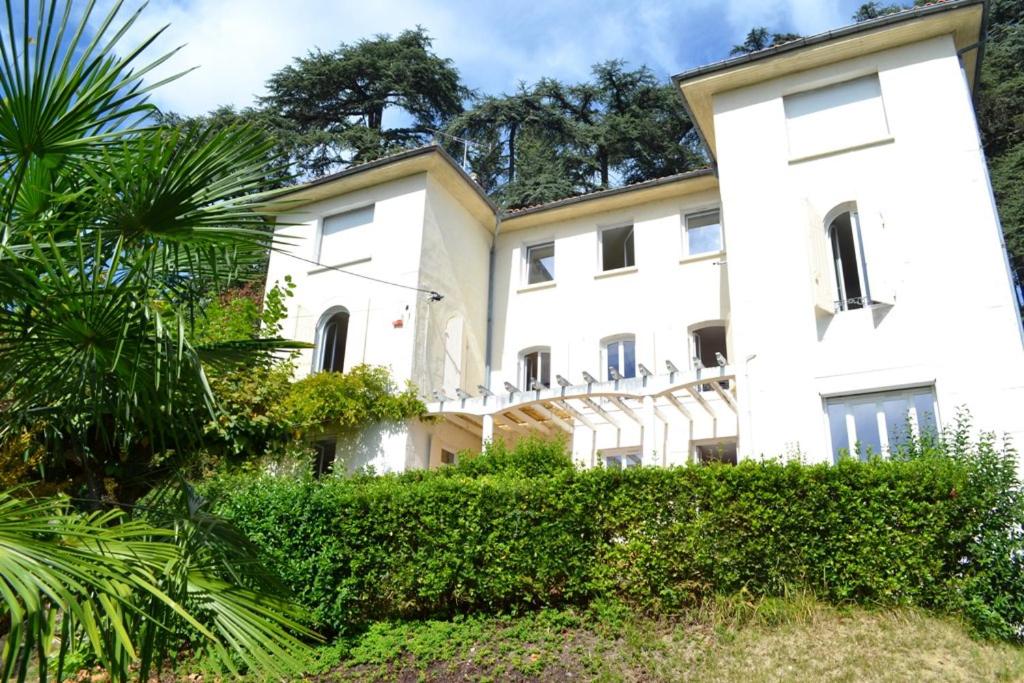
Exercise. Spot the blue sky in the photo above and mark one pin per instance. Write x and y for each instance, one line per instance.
(237, 44)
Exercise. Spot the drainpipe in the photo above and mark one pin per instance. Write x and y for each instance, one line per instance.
(489, 337)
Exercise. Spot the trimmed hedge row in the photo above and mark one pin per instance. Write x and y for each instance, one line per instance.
(436, 544)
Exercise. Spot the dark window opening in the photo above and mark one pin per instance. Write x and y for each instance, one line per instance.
(332, 343)
(617, 250)
(844, 236)
(708, 345)
(537, 367)
(447, 457)
(723, 452)
(325, 451)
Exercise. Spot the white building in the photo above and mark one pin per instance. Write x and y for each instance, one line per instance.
(838, 273)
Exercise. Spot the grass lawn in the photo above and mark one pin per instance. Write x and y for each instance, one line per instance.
(796, 639)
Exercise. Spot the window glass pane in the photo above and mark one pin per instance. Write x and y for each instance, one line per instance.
(622, 356)
(897, 424)
(540, 263)
(865, 418)
(924, 404)
(628, 368)
(613, 462)
(617, 248)
(703, 233)
(837, 430)
(631, 460)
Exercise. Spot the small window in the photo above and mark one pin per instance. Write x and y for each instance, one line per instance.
(620, 357)
(835, 117)
(617, 250)
(722, 451)
(703, 233)
(342, 236)
(333, 337)
(448, 457)
(848, 262)
(540, 263)
(536, 366)
(875, 424)
(622, 461)
(324, 453)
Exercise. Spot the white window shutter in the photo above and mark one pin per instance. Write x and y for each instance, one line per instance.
(818, 253)
(881, 266)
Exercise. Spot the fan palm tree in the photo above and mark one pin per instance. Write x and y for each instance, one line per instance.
(108, 225)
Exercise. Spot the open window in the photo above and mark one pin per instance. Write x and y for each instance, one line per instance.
(448, 457)
(703, 233)
(540, 263)
(709, 348)
(536, 367)
(847, 249)
(875, 424)
(617, 248)
(619, 356)
(723, 451)
(333, 336)
(325, 451)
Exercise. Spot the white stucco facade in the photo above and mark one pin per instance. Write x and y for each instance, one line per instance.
(861, 278)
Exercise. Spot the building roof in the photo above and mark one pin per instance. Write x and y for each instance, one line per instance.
(614, 198)
(964, 19)
(427, 159)
(456, 180)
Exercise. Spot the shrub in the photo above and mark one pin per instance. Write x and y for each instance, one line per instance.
(918, 530)
(531, 457)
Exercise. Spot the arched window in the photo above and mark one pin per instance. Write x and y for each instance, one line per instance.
(619, 356)
(848, 260)
(332, 339)
(708, 344)
(535, 365)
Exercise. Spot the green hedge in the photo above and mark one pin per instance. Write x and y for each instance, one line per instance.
(440, 543)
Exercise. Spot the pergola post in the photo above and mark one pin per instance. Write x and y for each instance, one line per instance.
(487, 434)
(651, 426)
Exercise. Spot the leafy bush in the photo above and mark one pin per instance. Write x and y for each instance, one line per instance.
(932, 528)
(363, 395)
(531, 457)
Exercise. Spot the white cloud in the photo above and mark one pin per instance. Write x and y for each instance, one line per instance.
(238, 44)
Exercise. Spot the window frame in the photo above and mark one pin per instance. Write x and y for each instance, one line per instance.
(318, 244)
(878, 398)
(318, 340)
(606, 361)
(841, 301)
(635, 453)
(687, 215)
(540, 350)
(525, 274)
(601, 230)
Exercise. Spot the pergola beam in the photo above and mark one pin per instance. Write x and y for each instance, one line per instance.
(576, 414)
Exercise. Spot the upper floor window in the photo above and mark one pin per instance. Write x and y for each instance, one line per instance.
(540, 263)
(848, 261)
(333, 337)
(340, 237)
(617, 248)
(620, 357)
(835, 117)
(536, 367)
(703, 233)
(874, 424)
